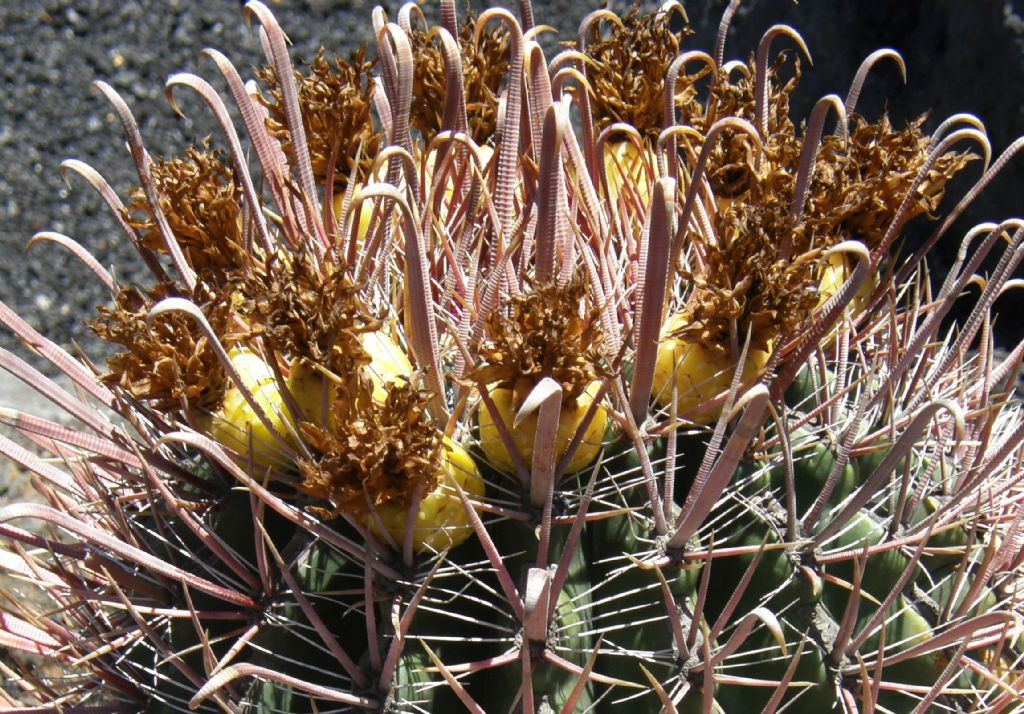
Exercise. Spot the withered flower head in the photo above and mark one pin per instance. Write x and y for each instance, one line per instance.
(856, 190)
(730, 168)
(746, 281)
(541, 333)
(858, 186)
(201, 199)
(337, 106)
(628, 77)
(315, 313)
(485, 64)
(380, 455)
(169, 363)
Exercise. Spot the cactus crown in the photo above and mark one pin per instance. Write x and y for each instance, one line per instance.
(464, 405)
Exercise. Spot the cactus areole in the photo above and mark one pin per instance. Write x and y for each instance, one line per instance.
(468, 378)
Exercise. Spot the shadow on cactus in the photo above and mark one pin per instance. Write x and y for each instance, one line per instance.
(592, 382)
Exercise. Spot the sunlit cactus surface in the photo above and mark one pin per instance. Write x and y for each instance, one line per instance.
(476, 375)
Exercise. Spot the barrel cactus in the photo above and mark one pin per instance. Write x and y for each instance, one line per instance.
(470, 379)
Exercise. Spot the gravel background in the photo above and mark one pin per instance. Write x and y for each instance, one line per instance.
(961, 56)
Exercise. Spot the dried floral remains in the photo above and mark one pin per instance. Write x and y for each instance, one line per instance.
(380, 455)
(485, 64)
(312, 312)
(629, 68)
(168, 363)
(542, 333)
(200, 197)
(337, 106)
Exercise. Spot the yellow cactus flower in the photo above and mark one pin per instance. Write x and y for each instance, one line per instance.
(388, 362)
(236, 425)
(484, 153)
(306, 385)
(232, 424)
(699, 373)
(441, 522)
(523, 435)
(365, 214)
(388, 365)
(835, 273)
(365, 208)
(537, 335)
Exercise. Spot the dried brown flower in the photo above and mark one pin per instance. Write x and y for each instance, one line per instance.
(337, 106)
(485, 64)
(379, 456)
(201, 198)
(541, 333)
(858, 186)
(628, 77)
(856, 189)
(315, 313)
(746, 281)
(169, 364)
(731, 164)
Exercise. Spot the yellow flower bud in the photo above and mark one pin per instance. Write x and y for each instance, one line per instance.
(624, 164)
(441, 522)
(835, 273)
(388, 362)
(365, 213)
(699, 374)
(569, 421)
(485, 153)
(306, 385)
(236, 424)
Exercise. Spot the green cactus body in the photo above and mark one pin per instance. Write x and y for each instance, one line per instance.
(813, 460)
(951, 536)
(808, 389)
(882, 570)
